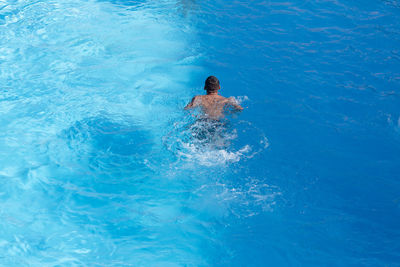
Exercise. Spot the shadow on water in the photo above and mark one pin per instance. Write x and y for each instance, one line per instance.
(107, 148)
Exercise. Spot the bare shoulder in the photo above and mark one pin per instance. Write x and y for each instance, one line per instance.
(221, 98)
(196, 100)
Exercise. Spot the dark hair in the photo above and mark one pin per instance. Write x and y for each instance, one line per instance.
(211, 84)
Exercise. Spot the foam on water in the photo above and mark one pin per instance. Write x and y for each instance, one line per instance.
(212, 143)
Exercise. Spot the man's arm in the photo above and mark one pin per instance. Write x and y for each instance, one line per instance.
(232, 101)
(192, 103)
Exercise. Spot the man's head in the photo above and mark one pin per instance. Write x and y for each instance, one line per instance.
(212, 84)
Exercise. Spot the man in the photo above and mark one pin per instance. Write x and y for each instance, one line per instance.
(212, 104)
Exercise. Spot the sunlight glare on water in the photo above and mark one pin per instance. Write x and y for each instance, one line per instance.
(90, 94)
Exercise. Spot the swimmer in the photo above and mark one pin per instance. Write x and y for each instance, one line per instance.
(212, 104)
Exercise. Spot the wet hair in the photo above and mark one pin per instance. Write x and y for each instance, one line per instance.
(211, 84)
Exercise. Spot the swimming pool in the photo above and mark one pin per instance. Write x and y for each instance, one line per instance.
(98, 165)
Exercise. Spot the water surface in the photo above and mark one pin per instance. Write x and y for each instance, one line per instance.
(100, 166)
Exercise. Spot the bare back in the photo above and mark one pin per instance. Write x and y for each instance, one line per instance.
(213, 105)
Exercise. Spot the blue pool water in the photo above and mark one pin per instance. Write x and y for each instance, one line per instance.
(100, 165)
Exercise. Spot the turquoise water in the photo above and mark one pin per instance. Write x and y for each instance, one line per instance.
(100, 165)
